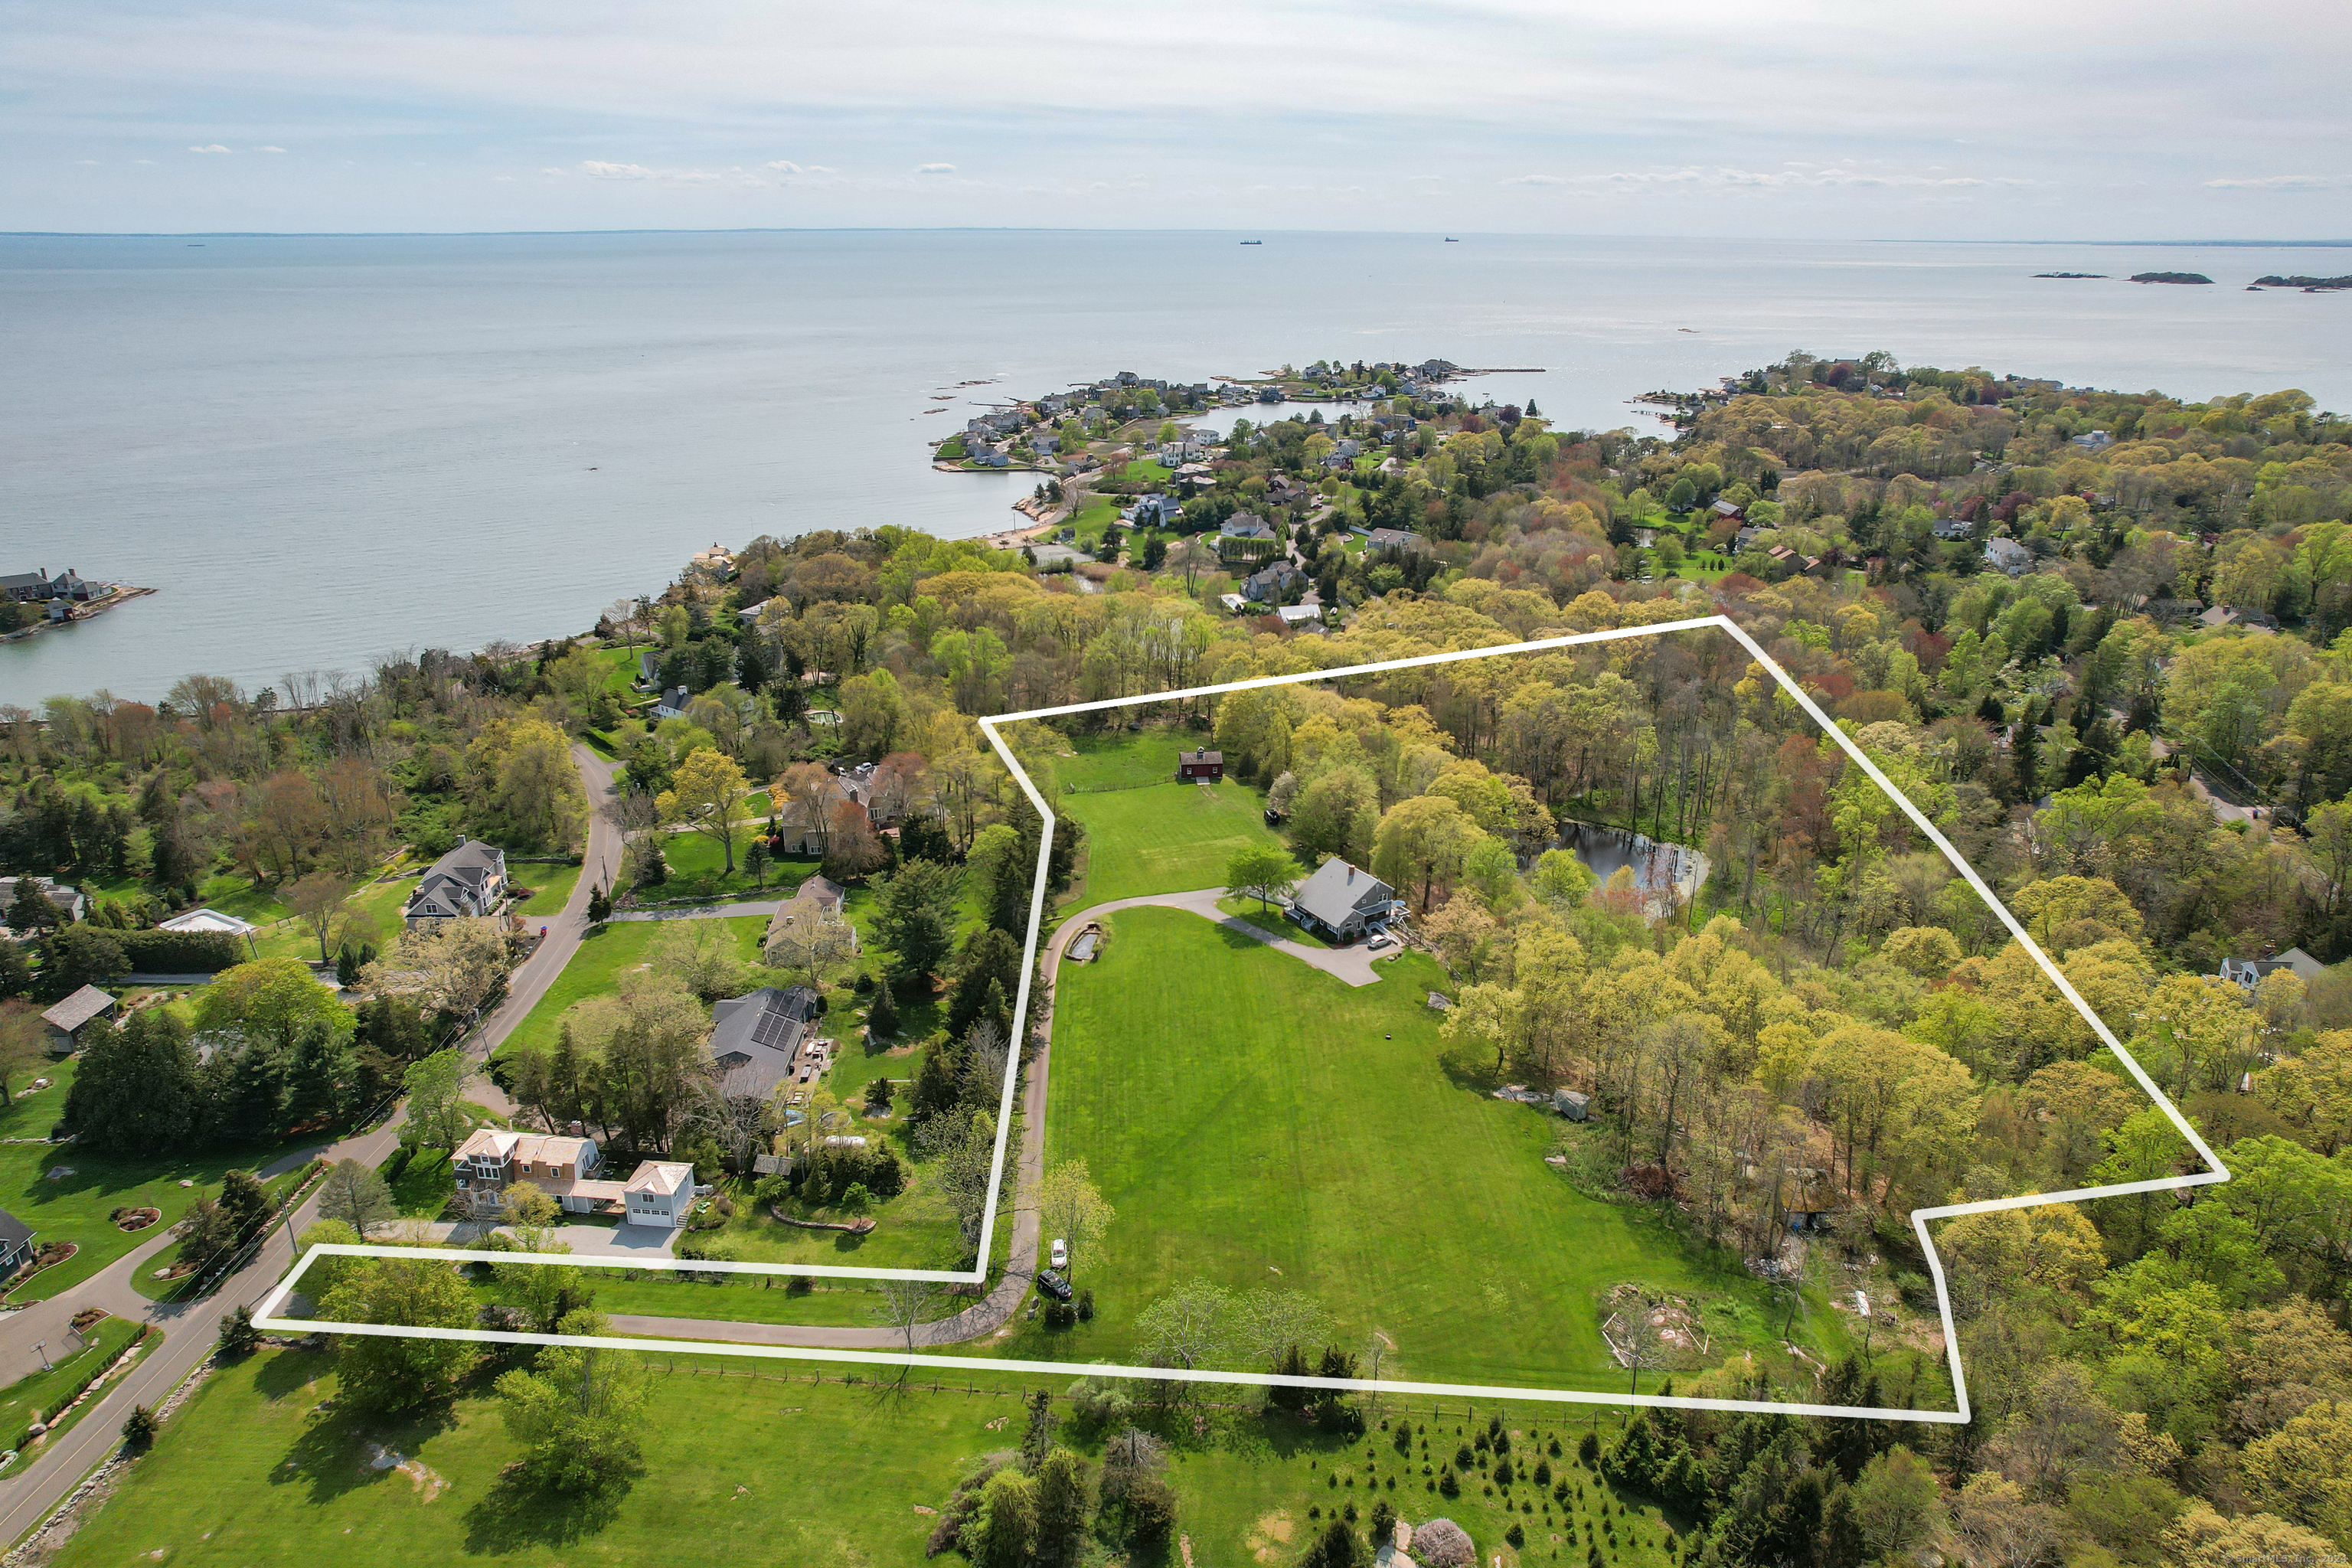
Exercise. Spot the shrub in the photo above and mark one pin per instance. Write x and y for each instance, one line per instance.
(1086, 1306)
(1516, 1536)
(178, 952)
(139, 1428)
(1151, 1511)
(1446, 1485)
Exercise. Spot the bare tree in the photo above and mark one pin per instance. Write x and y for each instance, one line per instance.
(905, 1304)
(735, 1118)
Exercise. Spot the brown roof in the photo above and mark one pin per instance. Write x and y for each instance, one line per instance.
(78, 1009)
(1216, 757)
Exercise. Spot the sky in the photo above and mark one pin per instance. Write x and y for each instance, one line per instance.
(1807, 119)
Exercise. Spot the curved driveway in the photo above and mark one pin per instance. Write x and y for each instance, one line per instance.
(993, 1311)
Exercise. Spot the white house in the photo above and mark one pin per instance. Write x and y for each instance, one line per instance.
(660, 1195)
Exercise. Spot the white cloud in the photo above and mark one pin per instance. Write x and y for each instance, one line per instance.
(597, 169)
(1523, 179)
(787, 168)
(269, 149)
(2279, 182)
(215, 147)
(935, 169)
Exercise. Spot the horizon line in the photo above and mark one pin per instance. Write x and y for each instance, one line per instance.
(2253, 243)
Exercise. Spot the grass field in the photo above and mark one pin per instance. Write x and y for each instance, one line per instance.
(753, 1462)
(75, 1207)
(698, 869)
(1261, 1124)
(384, 900)
(605, 954)
(1272, 922)
(1145, 833)
(551, 888)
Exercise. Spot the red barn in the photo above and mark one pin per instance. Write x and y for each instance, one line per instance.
(1192, 765)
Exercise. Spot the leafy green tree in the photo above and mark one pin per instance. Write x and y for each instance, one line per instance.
(999, 872)
(83, 955)
(1260, 871)
(915, 916)
(578, 1412)
(270, 1000)
(392, 1375)
(437, 1100)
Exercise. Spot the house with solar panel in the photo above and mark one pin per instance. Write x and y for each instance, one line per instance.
(759, 1042)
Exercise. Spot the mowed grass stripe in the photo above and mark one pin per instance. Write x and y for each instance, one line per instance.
(1245, 1114)
(1162, 838)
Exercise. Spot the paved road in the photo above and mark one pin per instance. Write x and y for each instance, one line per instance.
(29, 1488)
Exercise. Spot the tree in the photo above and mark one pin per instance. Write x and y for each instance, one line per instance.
(139, 1428)
(882, 1018)
(1187, 1325)
(915, 916)
(1000, 1533)
(238, 1336)
(136, 1090)
(1260, 871)
(2303, 1470)
(315, 901)
(244, 1200)
(708, 794)
(812, 941)
(270, 1000)
(599, 905)
(905, 1305)
(1070, 1207)
(532, 785)
(1001, 873)
(1898, 1503)
(702, 956)
(1422, 840)
(1064, 1499)
(577, 1412)
(394, 1374)
(436, 1100)
(988, 974)
(356, 1196)
(1337, 1547)
(756, 858)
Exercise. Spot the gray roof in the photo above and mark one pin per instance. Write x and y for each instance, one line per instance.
(1339, 890)
(1395, 539)
(454, 883)
(755, 1037)
(823, 889)
(14, 1232)
(78, 1009)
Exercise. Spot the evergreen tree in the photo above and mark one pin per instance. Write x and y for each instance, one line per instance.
(136, 1090)
(599, 905)
(238, 1337)
(882, 1019)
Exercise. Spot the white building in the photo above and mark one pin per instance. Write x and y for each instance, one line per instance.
(660, 1195)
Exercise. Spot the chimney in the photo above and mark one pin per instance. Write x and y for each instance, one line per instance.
(577, 1131)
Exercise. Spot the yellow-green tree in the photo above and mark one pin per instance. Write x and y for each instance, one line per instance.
(707, 795)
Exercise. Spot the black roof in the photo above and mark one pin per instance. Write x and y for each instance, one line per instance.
(755, 1037)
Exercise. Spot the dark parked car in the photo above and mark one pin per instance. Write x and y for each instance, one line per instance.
(1053, 1285)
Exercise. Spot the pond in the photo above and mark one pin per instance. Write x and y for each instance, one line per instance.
(1658, 868)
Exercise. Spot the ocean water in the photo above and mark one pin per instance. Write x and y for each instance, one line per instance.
(321, 449)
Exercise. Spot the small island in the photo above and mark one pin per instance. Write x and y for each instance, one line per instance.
(2070, 275)
(2308, 285)
(2169, 278)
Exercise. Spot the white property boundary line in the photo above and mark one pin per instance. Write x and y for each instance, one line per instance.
(269, 1319)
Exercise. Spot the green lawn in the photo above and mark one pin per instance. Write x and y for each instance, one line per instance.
(1146, 832)
(32, 1398)
(698, 869)
(74, 1207)
(605, 954)
(551, 888)
(1258, 1123)
(234, 894)
(1164, 839)
(383, 899)
(1272, 922)
(753, 1462)
(1091, 519)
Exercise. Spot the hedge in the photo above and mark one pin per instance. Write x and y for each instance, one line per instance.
(180, 952)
